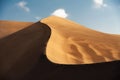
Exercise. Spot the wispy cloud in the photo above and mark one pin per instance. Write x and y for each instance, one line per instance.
(23, 5)
(37, 17)
(60, 13)
(99, 3)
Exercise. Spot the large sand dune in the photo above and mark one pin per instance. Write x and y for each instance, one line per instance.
(71, 43)
(22, 45)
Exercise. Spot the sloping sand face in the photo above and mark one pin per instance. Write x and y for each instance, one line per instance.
(9, 27)
(21, 50)
(71, 43)
(22, 46)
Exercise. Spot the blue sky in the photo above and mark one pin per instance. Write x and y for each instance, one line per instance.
(101, 15)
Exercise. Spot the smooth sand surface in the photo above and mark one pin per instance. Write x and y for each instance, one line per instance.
(9, 27)
(72, 43)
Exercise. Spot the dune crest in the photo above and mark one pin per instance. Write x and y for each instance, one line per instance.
(72, 43)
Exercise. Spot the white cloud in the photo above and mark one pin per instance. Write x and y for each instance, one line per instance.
(22, 5)
(37, 17)
(99, 3)
(60, 13)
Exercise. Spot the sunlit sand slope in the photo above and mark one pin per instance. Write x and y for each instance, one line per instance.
(72, 43)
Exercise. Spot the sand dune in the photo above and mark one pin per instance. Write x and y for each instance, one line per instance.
(71, 43)
(23, 44)
(9, 27)
(21, 50)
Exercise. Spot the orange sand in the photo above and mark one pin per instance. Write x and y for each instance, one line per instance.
(71, 43)
(9, 27)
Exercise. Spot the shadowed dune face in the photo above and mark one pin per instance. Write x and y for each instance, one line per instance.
(20, 51)
(9, 27)
(71, 43)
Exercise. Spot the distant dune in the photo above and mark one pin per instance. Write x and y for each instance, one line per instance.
(9, 27)
(71, 43)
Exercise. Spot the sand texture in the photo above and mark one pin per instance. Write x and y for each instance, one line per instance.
(72, 43)
(9, 27)
(23, 45)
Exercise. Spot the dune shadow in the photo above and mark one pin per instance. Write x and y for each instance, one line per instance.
(20, 51)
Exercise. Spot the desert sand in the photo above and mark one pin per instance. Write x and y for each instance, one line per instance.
(9, 27)
(23, 45)
(20, 47)
(72, 43)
